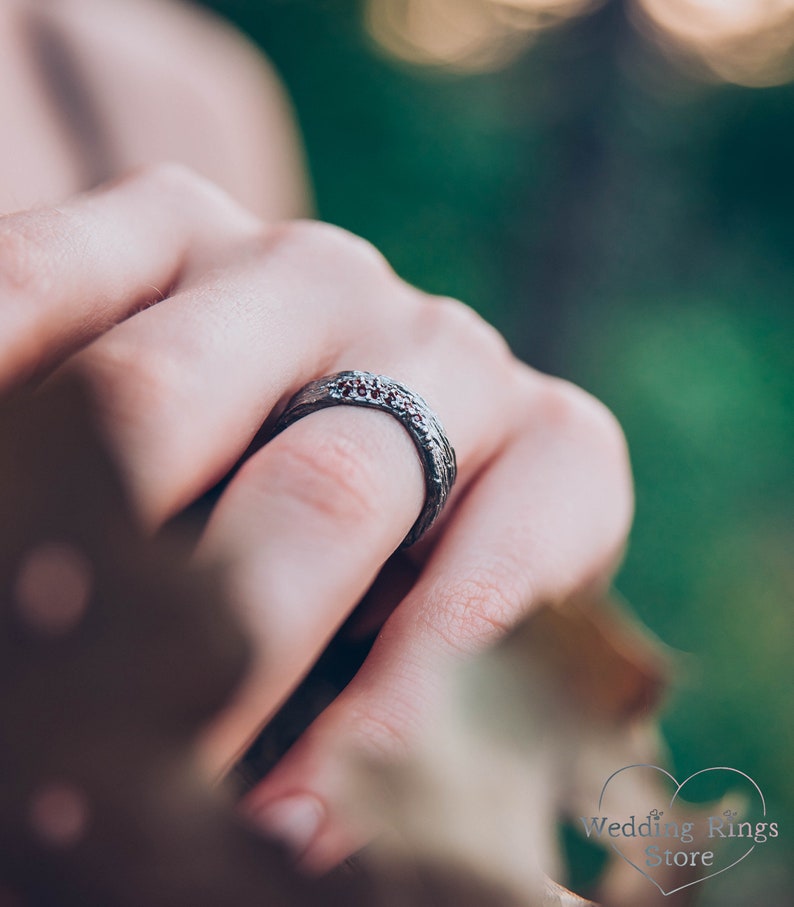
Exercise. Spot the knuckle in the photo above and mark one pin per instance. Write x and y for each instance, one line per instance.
(128, 380)
(332, 475)
(168, 176)
(377, 731)
(201, 199)
(476, 609)
(574, 410)
(328, 242)
(584, 421)
(454, 322)
(24, 267)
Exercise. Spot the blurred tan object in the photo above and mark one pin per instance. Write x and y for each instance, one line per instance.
(91, 89)
(748, 42)
(465, 35)
(527, 735)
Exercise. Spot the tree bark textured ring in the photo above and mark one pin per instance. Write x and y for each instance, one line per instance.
(354, 388)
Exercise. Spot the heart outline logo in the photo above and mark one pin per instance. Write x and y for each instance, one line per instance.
(679, 786)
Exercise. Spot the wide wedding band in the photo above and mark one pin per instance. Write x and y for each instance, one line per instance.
(355, 388)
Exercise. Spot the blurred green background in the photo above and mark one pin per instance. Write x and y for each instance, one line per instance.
(629, 226)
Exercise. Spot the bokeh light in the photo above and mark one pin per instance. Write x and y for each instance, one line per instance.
(468, 35)
(748, 42)
(53, 588)
(59, 815)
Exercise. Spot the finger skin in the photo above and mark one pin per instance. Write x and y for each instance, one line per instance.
(311, 518)
(548, 518)
(304, 527)
(67, 274)
(183, 387)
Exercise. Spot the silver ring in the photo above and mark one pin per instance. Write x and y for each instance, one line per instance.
(423, 425)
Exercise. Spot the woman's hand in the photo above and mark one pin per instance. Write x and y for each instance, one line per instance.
(195, 321)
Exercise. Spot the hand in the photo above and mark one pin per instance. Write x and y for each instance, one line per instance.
(194, 320)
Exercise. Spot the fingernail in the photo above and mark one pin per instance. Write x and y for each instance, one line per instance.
(294, 820)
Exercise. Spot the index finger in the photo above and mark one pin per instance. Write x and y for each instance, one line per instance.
(69, 273)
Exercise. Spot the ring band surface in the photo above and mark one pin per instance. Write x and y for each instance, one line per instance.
(355, 388)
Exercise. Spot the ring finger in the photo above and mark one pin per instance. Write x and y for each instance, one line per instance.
(187, 384)
(311, 518)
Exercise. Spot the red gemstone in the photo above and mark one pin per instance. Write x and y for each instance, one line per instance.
(362, 391)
